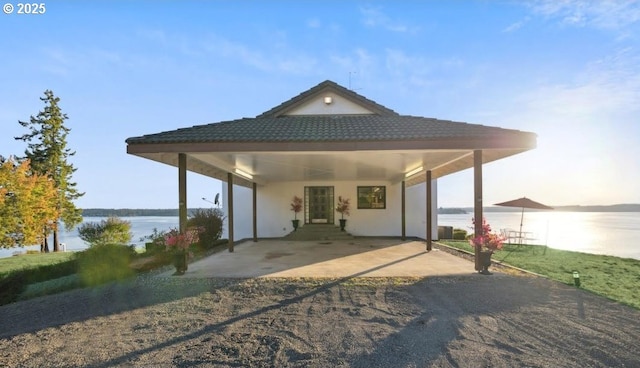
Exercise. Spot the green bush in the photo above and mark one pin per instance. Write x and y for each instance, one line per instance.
(15, 282)
(153, 248)
(459, 234)
(52, 271)
(11, 287)
(104, 263)
(49, 287)
(210, 221)
(110, 231)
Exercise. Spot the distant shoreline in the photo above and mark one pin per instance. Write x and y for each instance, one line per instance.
(173, 212)
(134, 212)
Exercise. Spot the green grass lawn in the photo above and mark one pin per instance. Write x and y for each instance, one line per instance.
(51, 287)
(612, 277)
(15, 263)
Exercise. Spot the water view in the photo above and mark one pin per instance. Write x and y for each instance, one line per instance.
(140, 226)
(611, 233)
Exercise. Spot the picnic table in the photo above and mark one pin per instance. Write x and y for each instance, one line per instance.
(517, 237)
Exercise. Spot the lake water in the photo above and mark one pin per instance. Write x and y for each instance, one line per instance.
(612, 233)
(140, 226)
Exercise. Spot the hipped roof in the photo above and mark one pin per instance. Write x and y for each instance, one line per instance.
(440, 145)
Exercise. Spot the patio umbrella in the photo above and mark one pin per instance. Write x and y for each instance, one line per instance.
(524, 202)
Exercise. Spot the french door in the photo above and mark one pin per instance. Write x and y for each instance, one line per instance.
(318, 205)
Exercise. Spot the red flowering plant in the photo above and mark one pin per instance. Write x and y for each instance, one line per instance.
(296, 206)
(343, 206)
(487, 241)
(175, 241)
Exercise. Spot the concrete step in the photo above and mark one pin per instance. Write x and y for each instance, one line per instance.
(319, 232)
(319, 228)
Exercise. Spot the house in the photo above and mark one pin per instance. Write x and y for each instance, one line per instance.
(324, 143)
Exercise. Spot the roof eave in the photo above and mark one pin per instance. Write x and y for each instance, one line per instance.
(524, 141)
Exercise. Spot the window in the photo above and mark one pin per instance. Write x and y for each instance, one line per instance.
(372, 198)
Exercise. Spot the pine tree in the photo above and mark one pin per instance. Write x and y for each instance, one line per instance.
(48, 153)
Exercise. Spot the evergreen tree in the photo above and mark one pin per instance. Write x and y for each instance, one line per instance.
(48, 153)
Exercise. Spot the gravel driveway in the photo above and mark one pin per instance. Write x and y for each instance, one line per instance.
(452, 321)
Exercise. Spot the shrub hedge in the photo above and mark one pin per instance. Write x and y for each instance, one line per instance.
(459, 234)
(15, 282)
(210, 221)
(104, 263)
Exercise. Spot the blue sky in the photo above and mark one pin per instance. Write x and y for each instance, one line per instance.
(566, 70)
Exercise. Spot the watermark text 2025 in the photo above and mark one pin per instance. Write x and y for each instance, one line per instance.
(24, 8)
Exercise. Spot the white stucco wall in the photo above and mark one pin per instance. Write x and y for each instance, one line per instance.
(274, 214)
(242, 211)
(416, 208)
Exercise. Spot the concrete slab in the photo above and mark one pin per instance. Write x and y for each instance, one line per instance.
(361, 257)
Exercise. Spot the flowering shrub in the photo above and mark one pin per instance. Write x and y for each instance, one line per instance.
(175, 241)
(296, 206)
(209, 223)
(343, 206)
(487, 241)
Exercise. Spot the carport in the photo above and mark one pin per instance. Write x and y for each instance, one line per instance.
(360, 257)
(330, 136)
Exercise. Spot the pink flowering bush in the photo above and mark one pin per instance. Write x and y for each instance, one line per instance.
(487, 241)
(176, 241)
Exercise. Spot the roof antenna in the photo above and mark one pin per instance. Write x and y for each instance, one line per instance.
(351, 89)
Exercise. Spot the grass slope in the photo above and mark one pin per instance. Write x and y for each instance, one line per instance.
(609, 276)
(23, 261)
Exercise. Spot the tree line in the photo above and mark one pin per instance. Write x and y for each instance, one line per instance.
(37, 191)
(133, 212)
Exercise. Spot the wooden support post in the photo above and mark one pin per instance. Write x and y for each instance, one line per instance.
(182, 192)
(404, 211)
(230, 208)
(429, 212)
(477, 203)
(255, 212)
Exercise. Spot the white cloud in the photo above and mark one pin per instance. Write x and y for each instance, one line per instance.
(314, 23)
(516, 26)
(374, 17)
(59, 62)
(282, 59)
(605, 14)
(609, 86)
(358, 60)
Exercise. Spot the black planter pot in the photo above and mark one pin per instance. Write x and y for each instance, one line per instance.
(295, 224)
(180, 262)
(343, 223)
(485, 262)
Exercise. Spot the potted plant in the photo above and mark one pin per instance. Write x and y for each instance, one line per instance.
(486, 243)
(178, 244)
(296, 206)
(343, 208)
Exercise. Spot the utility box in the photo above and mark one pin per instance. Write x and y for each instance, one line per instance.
(445, 232)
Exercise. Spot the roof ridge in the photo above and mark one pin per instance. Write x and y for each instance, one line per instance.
(344, 92)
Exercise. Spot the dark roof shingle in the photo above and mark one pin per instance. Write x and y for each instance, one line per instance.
(324, 128)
